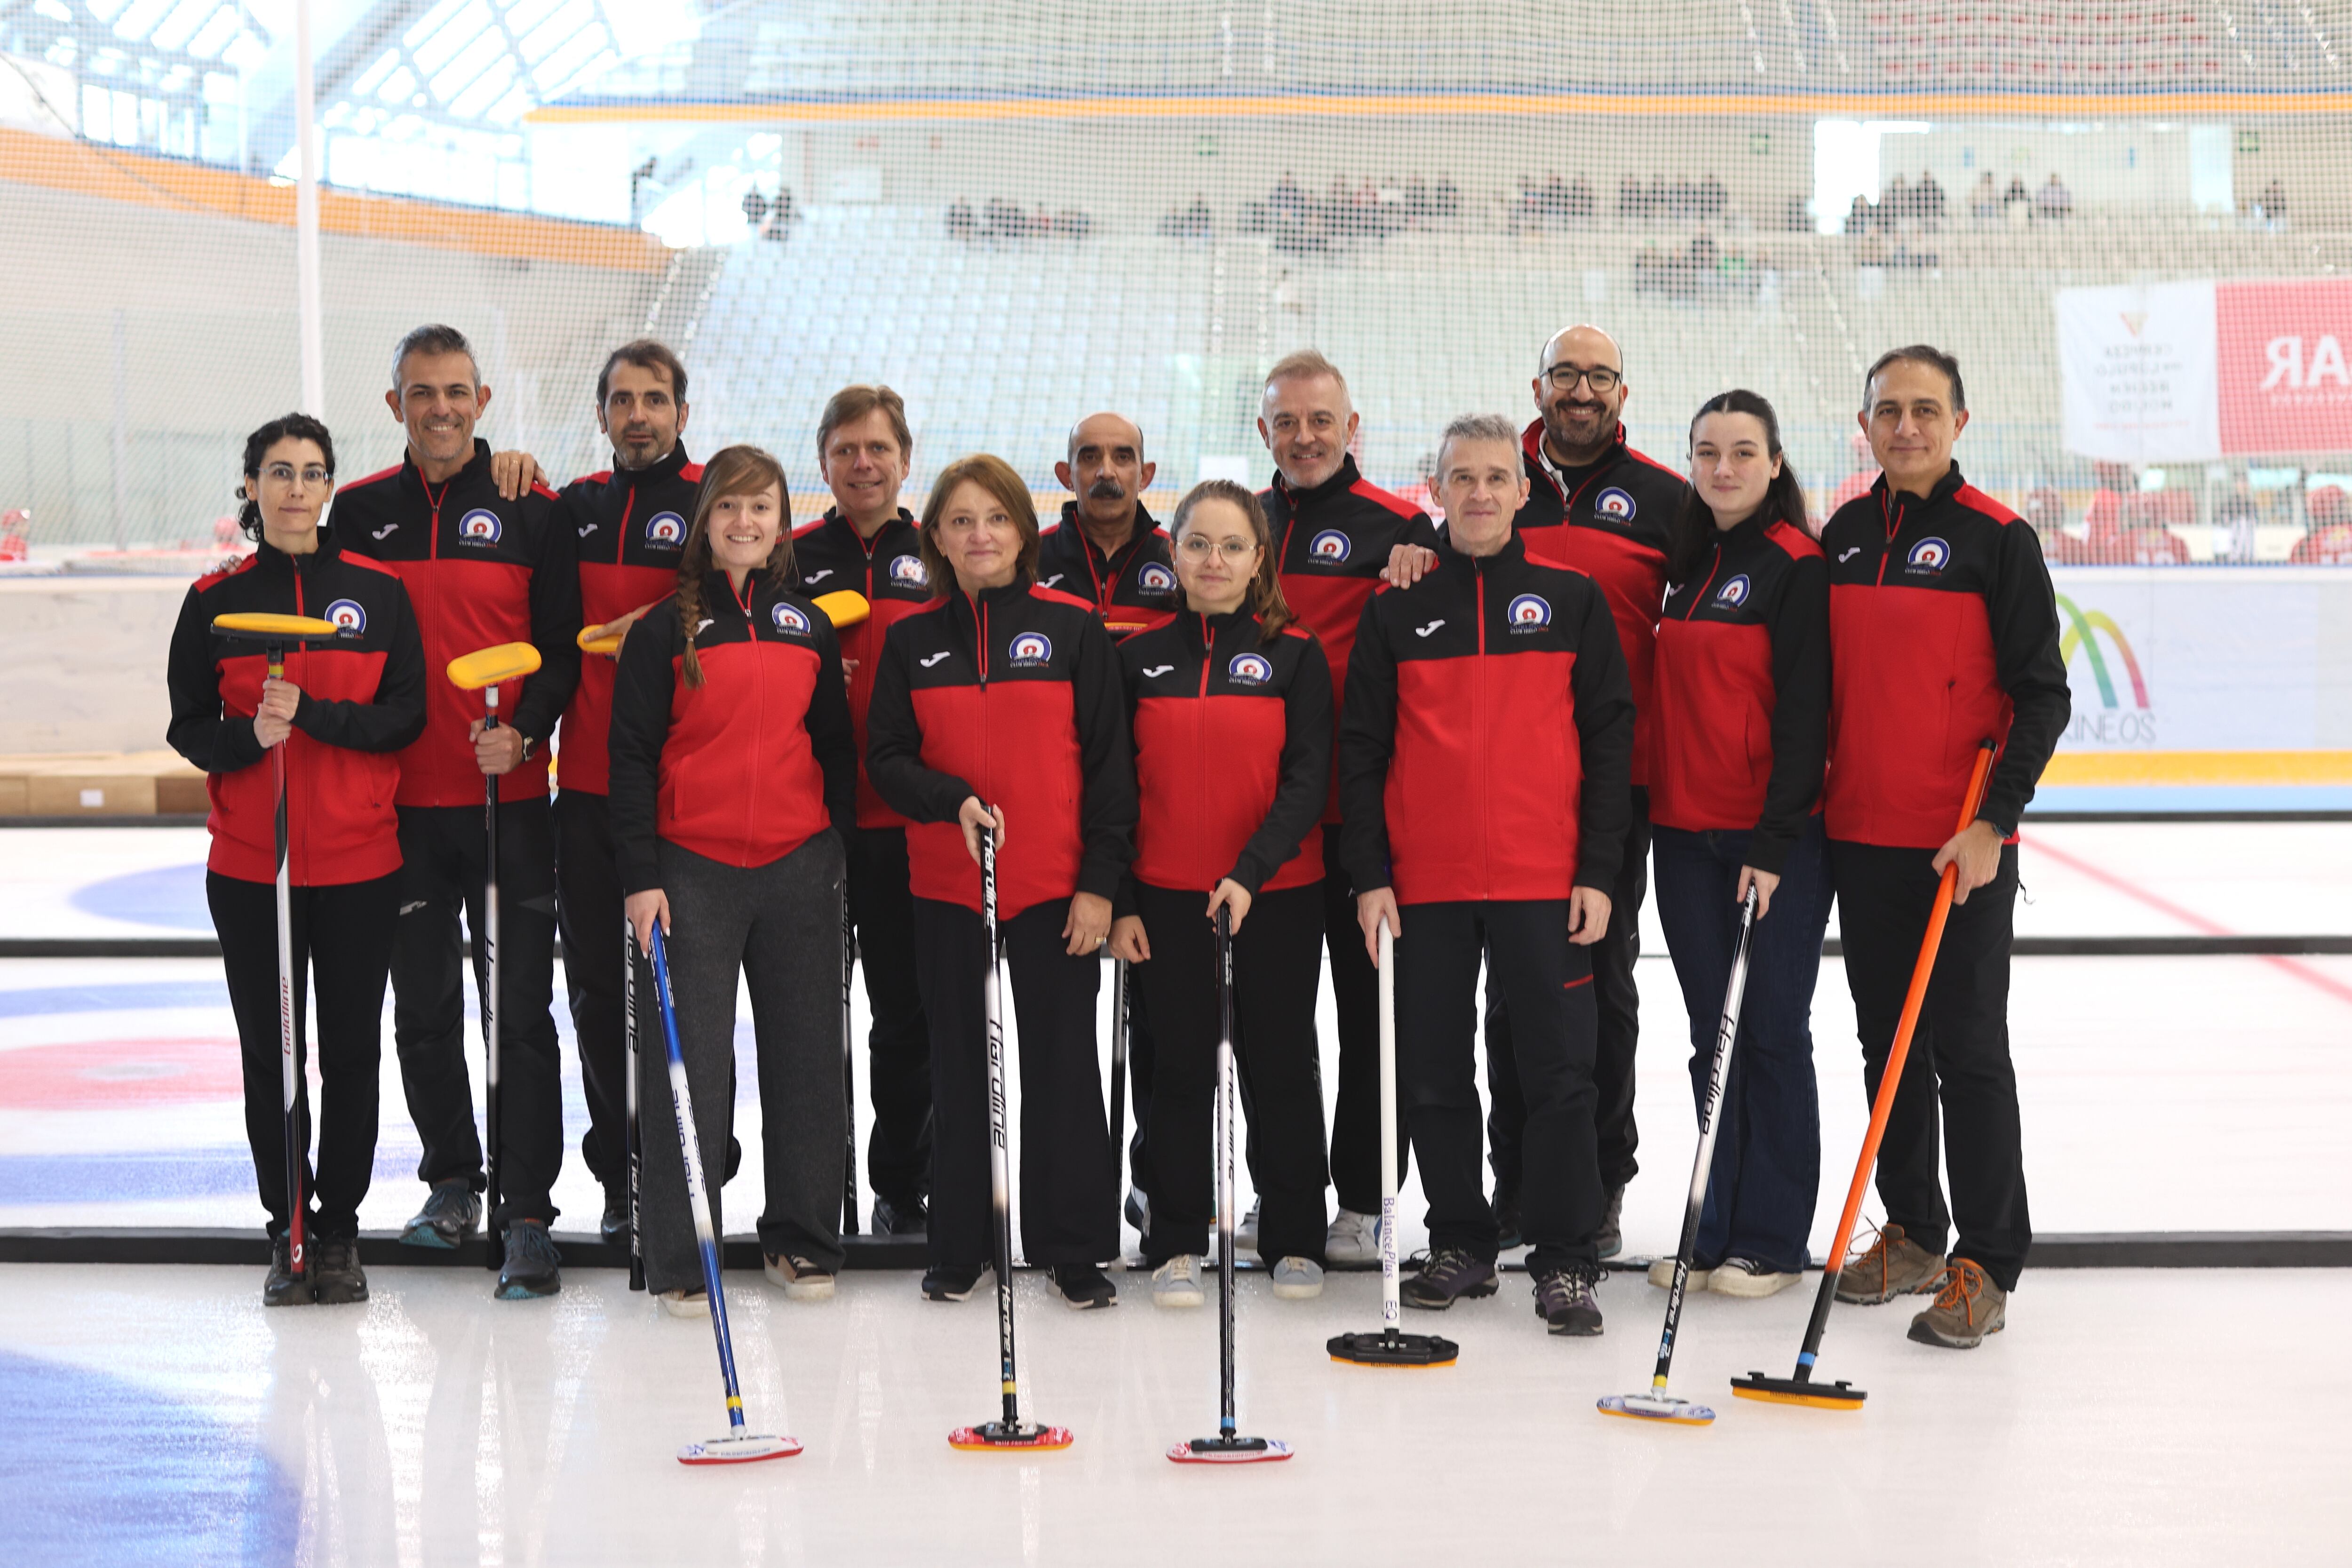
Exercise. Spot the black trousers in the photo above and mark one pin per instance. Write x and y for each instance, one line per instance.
(1356, 998)
(1960, 1052)
(1546, 981)
(1069, 1181)
(898, 1046)
(1139, 1057)
(1620, 1002)
(446, 853)
(588, 907)
(342, 942)
(1278, 970)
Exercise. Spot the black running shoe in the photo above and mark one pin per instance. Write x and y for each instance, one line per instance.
(900, 1220)
(1084, 1287)
(336, 1274)
(532, 1265)
(1566, 1301)
(1449, 1274)
(952, 1284)
(281, 1289)
(612, 1226)
(448, 1217)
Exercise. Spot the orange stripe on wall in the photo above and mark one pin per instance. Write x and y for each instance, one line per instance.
(137, 179)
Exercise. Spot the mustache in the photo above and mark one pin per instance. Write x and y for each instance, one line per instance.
(1107, 489)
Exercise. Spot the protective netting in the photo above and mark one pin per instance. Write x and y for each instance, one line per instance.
(1017, 212)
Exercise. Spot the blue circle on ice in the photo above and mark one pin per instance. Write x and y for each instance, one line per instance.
(166, 896)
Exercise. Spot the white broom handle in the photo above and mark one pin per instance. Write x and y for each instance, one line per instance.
(1392, 1305)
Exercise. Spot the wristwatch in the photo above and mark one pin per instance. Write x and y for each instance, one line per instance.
(529, 744)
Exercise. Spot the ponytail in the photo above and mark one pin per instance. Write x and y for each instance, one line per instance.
(286, 427)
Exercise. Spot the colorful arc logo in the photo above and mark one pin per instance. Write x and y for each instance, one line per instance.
(2082, 631)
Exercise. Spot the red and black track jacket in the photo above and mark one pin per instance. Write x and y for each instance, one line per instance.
(1016, 698)
(1134, 587)
(1232, 752)
(1943, 634)
(1739, 725)
(1608, 520)
(751, 765)
(1331, 544)
(827, 557)
(362, 700)
(1487, 734)
(481, 571)
(630, 525)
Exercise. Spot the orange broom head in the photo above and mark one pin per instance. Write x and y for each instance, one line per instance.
(1789, 1391)
(844, 609)
(996, 1437)
(596, 640)
(493, 665)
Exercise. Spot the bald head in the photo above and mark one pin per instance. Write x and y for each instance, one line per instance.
(1580, 387)
(1106, 431)
(1106, 473)
(1585, 345)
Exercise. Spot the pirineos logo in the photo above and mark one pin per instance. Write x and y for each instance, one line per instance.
(1250, 669)
(1734, 592)
(908, 572)
(1029, 649)
(1156, 578)
(788, 619)
(1930, 556)
(1330, 547)
(479, 526)
(665, 530)
(1527, 612)
(2112, 722)
(348, 617)
(1615, 503)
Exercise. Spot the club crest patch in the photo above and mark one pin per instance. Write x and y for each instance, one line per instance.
(1734, 592)
(665, 530)
(908, 572)
(1615, 503)
(1930, 556)
(1156, 578)
(1527, 612)
(1029, 650)
(1330, 547)
(788, 618)
(1249, 670)
(348, 617)
(480, 526)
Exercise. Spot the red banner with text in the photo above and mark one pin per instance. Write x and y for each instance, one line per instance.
(2284, 385)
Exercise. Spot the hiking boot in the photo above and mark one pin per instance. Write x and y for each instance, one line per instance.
(280, 1289)
(1354, 1239)
(532, 1264)
(613, 1226)
(1567, 1299)
(1969, 1306)
(1893, 1265)
(797, 1277)
(948, 1283)
(1448, 1275)
(1298, 1280)
(1610, 1239)
(335, 1272)
(1747, 1277)
(1084, 1287)
(1662, 1275)
(1246, 1233)
(685, 1303)
(1177, 1282)
(900, 1220)
(451, 1212)
(1506, 1223)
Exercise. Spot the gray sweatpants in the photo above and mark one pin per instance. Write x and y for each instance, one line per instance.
(779, 926)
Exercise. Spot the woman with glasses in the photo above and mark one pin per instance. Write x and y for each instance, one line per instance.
(1231, 705)
(341, 709)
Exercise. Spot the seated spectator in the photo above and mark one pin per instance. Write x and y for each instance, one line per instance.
(2328, 542)
(2271, 204)
(1683, 199)
(1579, 201)
(1449, 199)
(1657, 202)
(1928, 199)
(1628, 199)
(15, 525)
(961, 223)
(1704, 254)
(1894, 204)
(1073, 223)
(1286, 197)
(1860, 217)
(2054, 201)
(2235, 518)
(1984, 202)
(1711, 198)
(2017, 194)
(782, 215)
(1416, 198)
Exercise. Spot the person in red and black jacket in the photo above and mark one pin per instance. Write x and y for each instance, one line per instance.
(1334, 532)
(999, 709)
(734, 784)
(481, 570)
(343, 710)
(866, 542)
(1106, 547)
(630, 524)
(1482, 760)
(1231, 707)
(1739, 723)
(1943, 634)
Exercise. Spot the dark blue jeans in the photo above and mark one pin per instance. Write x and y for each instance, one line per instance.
(1768, 1155)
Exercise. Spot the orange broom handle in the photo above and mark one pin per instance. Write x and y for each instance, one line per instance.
(1882, 1105)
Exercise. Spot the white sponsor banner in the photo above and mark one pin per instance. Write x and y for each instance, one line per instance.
(2139, 366)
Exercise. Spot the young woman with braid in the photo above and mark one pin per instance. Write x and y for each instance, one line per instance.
(734, 785)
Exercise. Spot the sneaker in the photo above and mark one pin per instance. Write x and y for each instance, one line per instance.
(1177, 1282)
(1506, 1223)
(1139, 1211)
(532, 1264)
(1565, 1300)
(1449, 1274)
(1893, 1265)
(612, 1226)
(900, 1220)
(797, 1277)
(335, 1272)
(687, 1303)
(1298, 1280)
(1084, 1287)
(1246, 1233)
(1353, 1239)
(1747, 1277)
(280, 1289)
(450, 1214)
(1969, 1306)
(948, 1283)
(1610, 1239)
(1662, 1275)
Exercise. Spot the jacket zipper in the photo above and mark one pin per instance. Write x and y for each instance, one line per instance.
(1691, 613)
(1478, 737)
(628, 509)
(1894, 516)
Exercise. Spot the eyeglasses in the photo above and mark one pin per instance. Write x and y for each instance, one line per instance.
(1236, 550)
(283, 474)
(1600, 378)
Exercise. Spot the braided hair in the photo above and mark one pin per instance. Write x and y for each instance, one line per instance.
(285, 427)
(731, 471)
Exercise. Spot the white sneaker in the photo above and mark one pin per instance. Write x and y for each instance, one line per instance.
(1298, 1280)
(1662, 1275)
(1177, 1282)
(1352, 1238)
(797, 1277)
(685, 1303)
(1746, 1276)
(1246, 1233)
